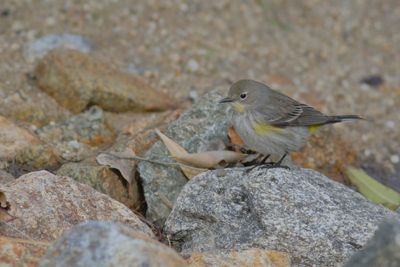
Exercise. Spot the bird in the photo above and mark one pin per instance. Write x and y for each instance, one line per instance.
(272, 123)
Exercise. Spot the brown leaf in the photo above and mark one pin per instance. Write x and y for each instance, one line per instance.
(210, 159)
(174, 149)
(117, 160)
(4, 207)
(191, 172)
(234, 137)
(205, 160)
(3, 201)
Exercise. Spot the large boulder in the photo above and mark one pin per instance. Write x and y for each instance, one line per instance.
(41, 206)
(317, 221)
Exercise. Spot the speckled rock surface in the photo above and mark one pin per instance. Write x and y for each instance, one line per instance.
(28, 104)
(204, 122)
(42, 206)
(108, 244)
(5, 177)
(79, 135)
(14, 253)
(253, 257)
(318, 221)
(14, 139)
(76, 80)
(382, 250)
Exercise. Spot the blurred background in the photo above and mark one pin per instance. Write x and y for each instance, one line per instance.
(342, 57)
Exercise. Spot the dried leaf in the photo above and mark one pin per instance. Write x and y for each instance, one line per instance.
(116, 160)
(234, 137)
(191, 172)
(3, 201)
(206, 160)
(174, 149)
(210, 159)
(372, 189)
(4, 207)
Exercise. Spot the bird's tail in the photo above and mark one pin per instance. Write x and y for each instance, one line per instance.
(340, 118)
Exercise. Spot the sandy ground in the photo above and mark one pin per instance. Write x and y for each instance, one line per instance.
(316, 51)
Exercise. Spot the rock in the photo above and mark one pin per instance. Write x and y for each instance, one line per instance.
(40, 47)
(77, 80)
(203, 123)
(28, 104)
(382, 250)
(77, 136)
(38, 157)
(5, 177)
(108, 244)
(15, 253)
(192, 65)
(42, 206)
(105, 180)
(318, 221)
(244, 258)
(14, 139)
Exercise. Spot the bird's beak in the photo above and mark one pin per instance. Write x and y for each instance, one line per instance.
(226, 100)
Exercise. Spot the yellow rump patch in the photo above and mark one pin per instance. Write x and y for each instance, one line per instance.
(263, 129)
(313, 128)
(238, 107)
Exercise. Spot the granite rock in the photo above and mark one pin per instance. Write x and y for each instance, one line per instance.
(382, 250)
(317, 221)
(41, 206)
(108, 244)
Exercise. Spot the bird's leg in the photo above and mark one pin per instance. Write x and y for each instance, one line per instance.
(264, 159)
(278, 164)
(261, 162)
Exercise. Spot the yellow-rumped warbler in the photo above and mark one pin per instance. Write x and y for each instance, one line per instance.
(272, 123)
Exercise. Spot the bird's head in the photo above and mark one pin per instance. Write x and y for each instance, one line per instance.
(244, 94)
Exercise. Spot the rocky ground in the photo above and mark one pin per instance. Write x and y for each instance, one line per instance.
(79, 79)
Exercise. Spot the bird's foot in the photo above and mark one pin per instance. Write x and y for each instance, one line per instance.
(270, 165)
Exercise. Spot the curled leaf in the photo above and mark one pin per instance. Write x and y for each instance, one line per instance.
(372, 189)
(210, 159)
(119, 161)
(205, 160)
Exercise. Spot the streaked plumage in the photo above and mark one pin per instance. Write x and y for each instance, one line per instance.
(270, 122)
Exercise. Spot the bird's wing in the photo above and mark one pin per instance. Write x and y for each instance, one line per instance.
(282, 110)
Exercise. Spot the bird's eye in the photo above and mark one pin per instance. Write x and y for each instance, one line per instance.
(243, 95)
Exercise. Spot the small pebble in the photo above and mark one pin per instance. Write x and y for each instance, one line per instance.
(373, 80)
(394, 159)
(192, 65)
(221, 172)
(5, 13)
(390, 124)
(193, 95)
